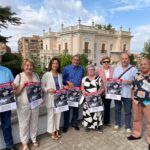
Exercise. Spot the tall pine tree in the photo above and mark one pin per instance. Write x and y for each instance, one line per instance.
(7, 17)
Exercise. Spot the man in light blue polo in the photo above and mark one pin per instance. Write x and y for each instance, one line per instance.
(127, 78)
(6, 76)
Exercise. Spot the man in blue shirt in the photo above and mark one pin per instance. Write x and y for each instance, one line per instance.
(127, 79)
(72, 77)
(6, 76)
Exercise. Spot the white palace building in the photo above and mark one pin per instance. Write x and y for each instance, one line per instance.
(90, 40)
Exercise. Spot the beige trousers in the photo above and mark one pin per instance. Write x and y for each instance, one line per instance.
(53, 120)
(28, 122)
(138, 113)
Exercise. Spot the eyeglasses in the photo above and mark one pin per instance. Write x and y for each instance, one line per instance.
(104, 62)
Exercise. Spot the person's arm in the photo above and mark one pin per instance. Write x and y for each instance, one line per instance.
(18, 86)
(64, 76)
(133, 91)
(10, 76)
(44, 85)
(102, 89)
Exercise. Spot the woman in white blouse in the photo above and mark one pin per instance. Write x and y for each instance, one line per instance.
(28, 118)
(51, 81)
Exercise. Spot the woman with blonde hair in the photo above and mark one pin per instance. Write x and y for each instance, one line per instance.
(28, 118)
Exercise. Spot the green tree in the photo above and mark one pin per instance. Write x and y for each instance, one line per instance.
(65, 59)
(99, 26)
(132, 60)
(146, 49)
(83, 60)
(7, 17)
(13, 62)
(106, 27)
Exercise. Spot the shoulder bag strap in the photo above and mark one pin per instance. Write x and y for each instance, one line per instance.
(125, 72)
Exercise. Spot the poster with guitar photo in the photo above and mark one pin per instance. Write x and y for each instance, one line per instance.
(34, 94)
(7, 97)
(114, 87)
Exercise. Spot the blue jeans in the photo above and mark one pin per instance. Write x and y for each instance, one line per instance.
(74, 121)
(127, 108)
(6, 128)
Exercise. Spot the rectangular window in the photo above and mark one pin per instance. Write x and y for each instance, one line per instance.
(111, 47)
(59, 47)
(103, 47)
(86, 47)
(95, 49)
(66, 46)
(124, 48)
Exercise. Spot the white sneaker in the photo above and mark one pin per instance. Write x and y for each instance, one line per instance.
(128, 130)
(116, 128)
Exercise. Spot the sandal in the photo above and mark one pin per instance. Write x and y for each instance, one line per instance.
(36, 144)
(25, 147)
(54, 137)
(58, 134)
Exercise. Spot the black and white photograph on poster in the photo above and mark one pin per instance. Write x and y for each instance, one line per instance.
(94, 102)
(73, 96)
(60, 101)
(7, 97)
(113, 87)
(34, 94)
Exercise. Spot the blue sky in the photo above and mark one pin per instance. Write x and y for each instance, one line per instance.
(42, 14)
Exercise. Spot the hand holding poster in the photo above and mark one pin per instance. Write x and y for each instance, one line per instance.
(113, 89)
(73, 96)
(60, 101)
(94, 102)
(34, 94)
(7, 97)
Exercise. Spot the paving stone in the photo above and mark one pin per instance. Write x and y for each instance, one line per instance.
(80, 140)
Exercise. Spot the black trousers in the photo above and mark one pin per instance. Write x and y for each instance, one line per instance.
(107, 103)
(74, 120)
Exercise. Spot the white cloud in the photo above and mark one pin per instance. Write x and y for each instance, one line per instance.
(128, 5)
(51, 14)
(141, 34)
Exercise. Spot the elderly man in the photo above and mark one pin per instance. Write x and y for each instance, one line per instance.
(141, 100)
(72, 77)
(126, 72)
(6, 76)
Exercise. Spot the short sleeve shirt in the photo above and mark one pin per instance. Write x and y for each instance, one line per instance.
(141, 85)
(5, 75)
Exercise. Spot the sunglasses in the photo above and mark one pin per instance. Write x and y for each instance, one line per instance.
(104, 62)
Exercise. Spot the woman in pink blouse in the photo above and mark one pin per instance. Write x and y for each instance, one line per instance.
(105, 71)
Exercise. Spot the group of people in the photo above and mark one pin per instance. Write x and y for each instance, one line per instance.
(134, 94)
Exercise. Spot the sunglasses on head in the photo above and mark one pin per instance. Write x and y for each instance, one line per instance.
(104, 62)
